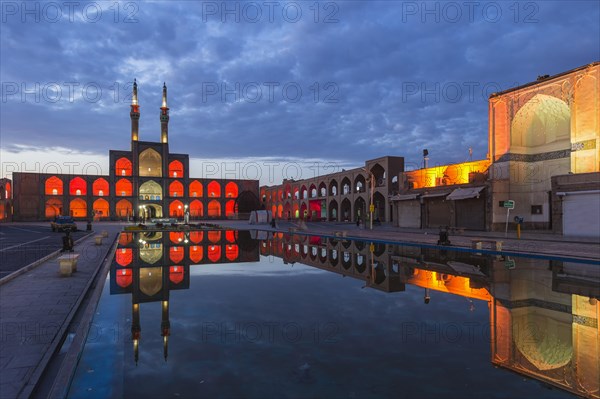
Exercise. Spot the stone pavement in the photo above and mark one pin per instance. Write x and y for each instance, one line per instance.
(35, 310)
(538, 243)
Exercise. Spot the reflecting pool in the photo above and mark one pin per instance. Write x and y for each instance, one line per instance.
(236, 314)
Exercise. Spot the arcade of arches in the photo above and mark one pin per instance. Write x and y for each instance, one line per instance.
(342, 196)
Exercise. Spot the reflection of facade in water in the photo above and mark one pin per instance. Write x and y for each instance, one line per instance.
(149, 265)
(543, 314)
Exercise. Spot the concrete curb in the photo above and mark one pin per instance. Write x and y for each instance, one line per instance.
(58, 339)
(35, 264)
(62, 382)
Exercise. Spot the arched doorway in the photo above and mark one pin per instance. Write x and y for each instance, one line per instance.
(78, 208)
(101, 209)
(214, 189)
(150, 163)
(123, 209)
(78, 186)
(333, 211)
(196, 209)
(247, 202)
(346, 210)
(123, 167)
(53, 208)
(176, 189)
(176, 169)
(379, 202)
(230, 208)
(150, 190)
(360, 207)
(214, 209)
(100, 187)
(176, 209)
(346, 186)
(195, 189)
(123, 188)
(360, 185)
(231, 190)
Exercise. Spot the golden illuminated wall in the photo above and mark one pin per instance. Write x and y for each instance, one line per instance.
(544, 129)
(444, 175)
(556, 114)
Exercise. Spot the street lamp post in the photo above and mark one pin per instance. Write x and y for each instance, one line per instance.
(371, 206)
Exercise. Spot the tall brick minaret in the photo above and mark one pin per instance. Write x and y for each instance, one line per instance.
(134, 114)
(164, 117)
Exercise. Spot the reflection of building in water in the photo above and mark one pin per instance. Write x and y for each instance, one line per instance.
(543, 314)
(546, 323)
(149, 265)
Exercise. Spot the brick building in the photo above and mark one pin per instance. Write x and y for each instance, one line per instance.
(147, 181)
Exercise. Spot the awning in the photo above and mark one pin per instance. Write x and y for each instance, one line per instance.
(465, 193)
(436, 194)
(404, 197)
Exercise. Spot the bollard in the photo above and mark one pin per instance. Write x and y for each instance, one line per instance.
(89, 226)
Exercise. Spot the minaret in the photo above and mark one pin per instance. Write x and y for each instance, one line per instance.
(135, 330)
(165, 326)
(164, 117)
(135, 113)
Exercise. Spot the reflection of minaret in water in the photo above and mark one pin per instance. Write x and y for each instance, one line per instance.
(136, 330)
(165, 326)
(426, 298)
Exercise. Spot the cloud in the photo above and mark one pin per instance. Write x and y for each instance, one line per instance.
(383, 78)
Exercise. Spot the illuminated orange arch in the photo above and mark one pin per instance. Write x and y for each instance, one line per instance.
(123, 167)
(78, 208)
(196, 253)
(231, 252)
(230, 208)
(123, 188)
(123, 208)
(77, 186)
(54, 186)
(214, 189)
(176, 274)
(124, 256)
(195, 189)
(2, 209)
(230, 235)
(124, 278)
(231, 190)
(196, 208)
(176, 189)
(101, 208)
(176, 254)
(176, 236)
(214, 236)
(196, 236)
(53, 207)
(7, 189)
(100, 187)
(214, 253)
(214, 208)
(280, 211)
(176, 209)
(125, 238)
(175, 169)
(274, 210)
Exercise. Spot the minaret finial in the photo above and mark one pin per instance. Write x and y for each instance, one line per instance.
(164, 96)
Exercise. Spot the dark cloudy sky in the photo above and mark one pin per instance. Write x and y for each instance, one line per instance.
(270, 83)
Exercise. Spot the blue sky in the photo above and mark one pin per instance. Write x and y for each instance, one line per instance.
(314, 84)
